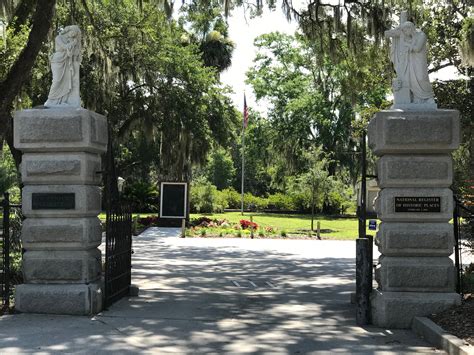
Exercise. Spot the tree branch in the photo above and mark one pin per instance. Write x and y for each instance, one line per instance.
(21, 70)
(439, 67)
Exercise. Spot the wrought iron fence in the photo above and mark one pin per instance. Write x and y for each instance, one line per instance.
(11, 250)
(118, 255)
(463, 223)
(118, 240)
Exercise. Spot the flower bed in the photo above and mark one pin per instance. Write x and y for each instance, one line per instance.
(205, 227)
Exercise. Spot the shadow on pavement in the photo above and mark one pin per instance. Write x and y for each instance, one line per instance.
(206, 296)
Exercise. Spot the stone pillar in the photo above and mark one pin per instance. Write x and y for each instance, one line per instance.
(415, 275)
(62, 266)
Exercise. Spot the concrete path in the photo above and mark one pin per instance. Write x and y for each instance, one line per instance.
(221, 296)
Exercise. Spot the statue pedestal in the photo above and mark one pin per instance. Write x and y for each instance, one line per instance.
(415, 275)
(62, 266)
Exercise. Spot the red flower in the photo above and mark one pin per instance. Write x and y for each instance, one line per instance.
(248, 224)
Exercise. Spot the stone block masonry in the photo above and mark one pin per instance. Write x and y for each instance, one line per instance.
(62, 265)
(415, 275)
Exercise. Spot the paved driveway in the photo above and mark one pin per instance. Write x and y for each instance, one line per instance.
(220, 296)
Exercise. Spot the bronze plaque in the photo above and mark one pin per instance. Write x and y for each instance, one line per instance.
(417, 204)
(53, 201)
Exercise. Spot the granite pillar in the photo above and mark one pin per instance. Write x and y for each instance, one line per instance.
(62, 265)
(415, 275)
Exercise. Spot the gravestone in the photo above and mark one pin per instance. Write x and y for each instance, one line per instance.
(413, 141)
(61, 146)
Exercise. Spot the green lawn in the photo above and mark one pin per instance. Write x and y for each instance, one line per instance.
(340, 228)
(331, 227)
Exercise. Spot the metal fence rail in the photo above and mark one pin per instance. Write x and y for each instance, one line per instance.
(118, 255)
(5, 240)
(10, 244)
(463, 223)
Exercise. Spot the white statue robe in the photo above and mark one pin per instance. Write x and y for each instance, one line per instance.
(410, 62)
(65, 63)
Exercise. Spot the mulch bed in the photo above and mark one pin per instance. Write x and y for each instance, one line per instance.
(256, 236)
(458, 320)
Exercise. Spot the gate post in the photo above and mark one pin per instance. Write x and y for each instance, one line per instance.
(415, 275)
(62, 266)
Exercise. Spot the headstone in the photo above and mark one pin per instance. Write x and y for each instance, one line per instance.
(413, 141)
(61, 146)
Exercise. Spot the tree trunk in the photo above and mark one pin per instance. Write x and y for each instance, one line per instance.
(21, 70)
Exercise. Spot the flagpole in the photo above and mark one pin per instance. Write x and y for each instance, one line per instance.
(243, 168)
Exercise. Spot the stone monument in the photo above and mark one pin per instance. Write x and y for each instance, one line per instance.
(61, 146)
(413, 141)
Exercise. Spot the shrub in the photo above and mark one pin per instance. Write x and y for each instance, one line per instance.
(202, 196)
(280, 202)
(142, 195)
(254, 202)
(248, 224)
(231, 197)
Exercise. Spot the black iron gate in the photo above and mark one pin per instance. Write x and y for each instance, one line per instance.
(118, 240)
(11, 249)
(463, 223)
(118, 255)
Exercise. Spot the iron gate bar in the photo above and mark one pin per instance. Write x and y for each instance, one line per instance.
(459, 208)
(364, 248)
(118, 254)
(6, 252)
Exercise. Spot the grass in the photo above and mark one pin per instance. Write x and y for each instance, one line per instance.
(332, 227)
(339, 227)
(102, 215)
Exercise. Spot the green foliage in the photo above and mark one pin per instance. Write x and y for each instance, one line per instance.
(232, 198)
(313, 101)
(340, 197)
(457, 94)
(166, 106)
(203, 196)
(220, 169)
(280, 201)
(142, 195)
(334, 194)
(8, 174)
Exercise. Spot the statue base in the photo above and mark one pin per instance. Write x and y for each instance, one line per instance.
(415, 107)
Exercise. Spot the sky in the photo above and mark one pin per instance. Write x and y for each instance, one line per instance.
(243, 31)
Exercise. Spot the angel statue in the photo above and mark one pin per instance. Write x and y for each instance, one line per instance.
(411, 88)
(65, 63)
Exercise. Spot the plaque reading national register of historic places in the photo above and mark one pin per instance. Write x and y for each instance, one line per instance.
(417, 204)
(53, 201)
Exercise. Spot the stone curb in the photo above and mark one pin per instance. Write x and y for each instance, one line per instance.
(437, 336)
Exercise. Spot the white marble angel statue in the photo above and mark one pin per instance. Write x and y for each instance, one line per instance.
(411, 88)
(65, 63)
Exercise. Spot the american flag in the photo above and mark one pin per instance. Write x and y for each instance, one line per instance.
(246, 113)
